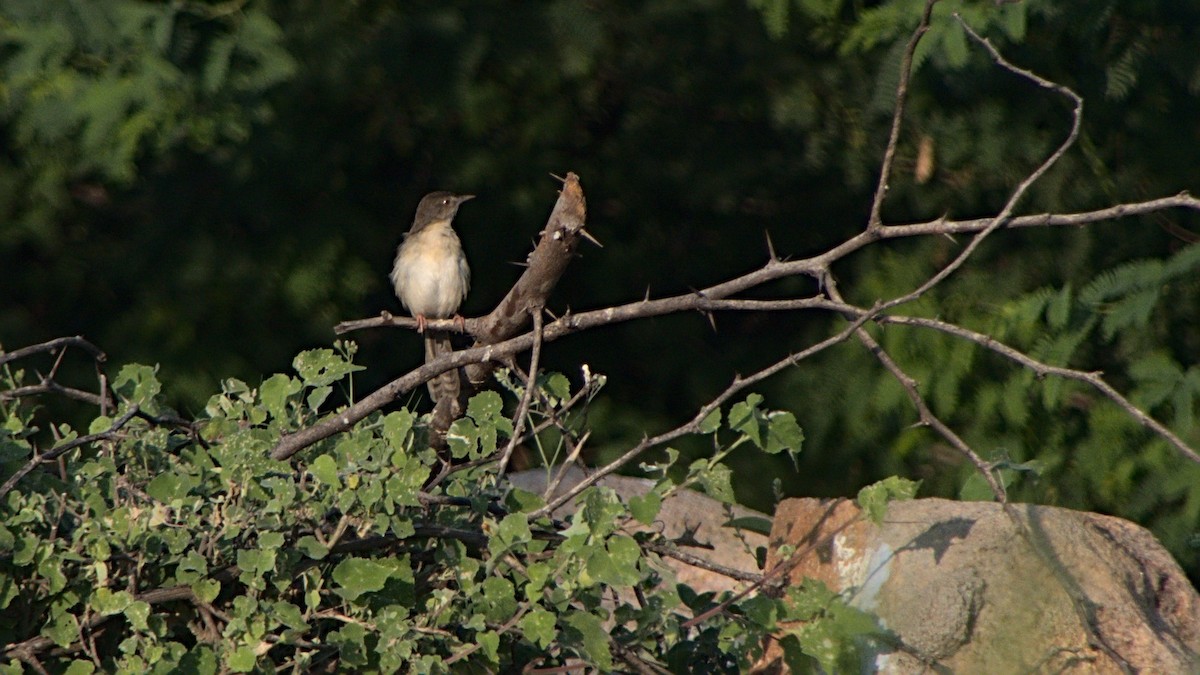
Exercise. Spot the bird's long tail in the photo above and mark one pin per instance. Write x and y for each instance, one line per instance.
(444, 387)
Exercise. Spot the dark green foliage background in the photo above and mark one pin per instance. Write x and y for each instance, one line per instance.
(211, 186)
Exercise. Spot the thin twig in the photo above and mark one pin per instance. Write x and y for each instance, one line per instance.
(572, 457)
(925, 415)
(527, 396)
(885, 169)
(1040, 368)
(1001, 218)
(53, 346)
(48, 386)
(1094, 379)
(671, 551)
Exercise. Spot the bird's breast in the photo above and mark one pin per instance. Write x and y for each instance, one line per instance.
(430, 274)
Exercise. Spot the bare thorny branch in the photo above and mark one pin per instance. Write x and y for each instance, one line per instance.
(720, 296)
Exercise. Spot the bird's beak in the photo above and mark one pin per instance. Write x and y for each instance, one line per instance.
(464, 198)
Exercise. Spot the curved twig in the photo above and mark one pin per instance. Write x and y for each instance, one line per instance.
(889, 155)
(55, 453)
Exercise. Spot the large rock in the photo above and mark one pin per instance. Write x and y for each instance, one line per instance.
(973, 587)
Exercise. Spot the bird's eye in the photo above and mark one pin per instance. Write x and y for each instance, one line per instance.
(445, 201)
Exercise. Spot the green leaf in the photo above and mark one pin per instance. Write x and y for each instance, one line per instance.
(51, 570)
(783, 433)
(587, 631)
(206, 590)
(511, 530)
(523, 500)
(138, 612)
(645, 507)
(539, 574)
(325, 469)
(167, 487)
(1013, 20)
(193, 566)
(559, 386)
(711, 422)
(322, 367)
(1132, 311)
(25, 550)
(271, 540)
(976, 489)
(1059, 309)
(874, 498)
(955, 48)
(614, 564)
(485, 406)
(396, 428)
(241, 660)
(317, 396)
(601, 509)
(357, 576)
(62, 629)
(312, 548)
(275, 392)
(216, 66)
(499, 598)
(290, 615)
(487, 410)
(744, 418)
(831, 641)
(1157, 376)
(350, 640)
(752, 523)
(774, 15)
(255, 563)
(538, 626)
(107, 602)
(715, 479)
(761, 609)
(462, 438)
(490, 643)
(625, 554)
(100, 424)
(79, 667)
(139, 384)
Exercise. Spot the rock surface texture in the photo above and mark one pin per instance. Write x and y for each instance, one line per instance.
(974, 587)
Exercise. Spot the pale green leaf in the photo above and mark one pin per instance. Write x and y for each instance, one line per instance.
(358, 576)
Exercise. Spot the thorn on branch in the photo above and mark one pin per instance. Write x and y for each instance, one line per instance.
(588, 235)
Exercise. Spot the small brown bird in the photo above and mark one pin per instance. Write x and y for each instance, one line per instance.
(431, 278)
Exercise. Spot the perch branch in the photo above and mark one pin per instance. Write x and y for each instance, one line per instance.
(698, 300)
